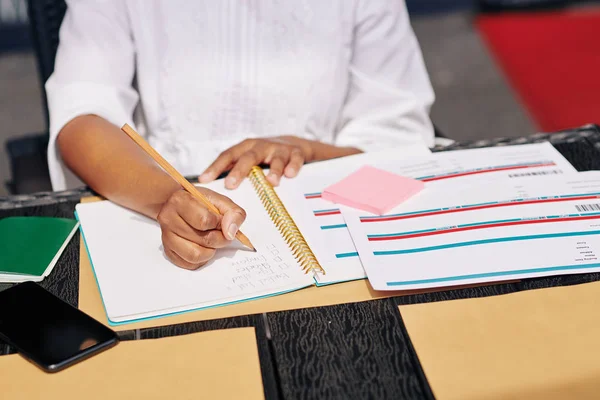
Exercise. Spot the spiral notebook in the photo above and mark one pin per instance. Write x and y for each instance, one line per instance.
(137, 282)
(301, 240)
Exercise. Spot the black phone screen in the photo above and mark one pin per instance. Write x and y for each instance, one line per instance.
(47, 330)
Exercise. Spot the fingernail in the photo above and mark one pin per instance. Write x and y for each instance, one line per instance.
(204, 177)
(232, 231)
(274, 179)
(231, 181)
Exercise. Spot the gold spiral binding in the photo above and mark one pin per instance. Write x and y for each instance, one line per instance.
(284, 222)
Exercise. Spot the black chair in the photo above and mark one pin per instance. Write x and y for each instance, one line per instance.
(45, 18)
(27, 154)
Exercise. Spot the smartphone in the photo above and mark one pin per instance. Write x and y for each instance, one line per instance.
(48, 331)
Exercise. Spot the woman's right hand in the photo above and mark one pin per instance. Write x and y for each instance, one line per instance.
(191, 233)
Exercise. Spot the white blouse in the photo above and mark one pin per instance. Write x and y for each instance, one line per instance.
(196, 77)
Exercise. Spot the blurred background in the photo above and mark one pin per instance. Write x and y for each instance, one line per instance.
(498, 67)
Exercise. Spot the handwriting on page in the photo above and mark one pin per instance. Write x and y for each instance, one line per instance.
(259, 271)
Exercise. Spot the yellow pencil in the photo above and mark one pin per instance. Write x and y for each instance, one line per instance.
(179, 178)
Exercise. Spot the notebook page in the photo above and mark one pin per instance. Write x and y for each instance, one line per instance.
(325, 229)
(137, 281)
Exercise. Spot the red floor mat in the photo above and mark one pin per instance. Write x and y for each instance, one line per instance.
(552, 60)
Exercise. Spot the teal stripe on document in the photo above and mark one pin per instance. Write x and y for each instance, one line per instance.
(346, 255)
(486, 241)
(494, 274)
(479, 204)
(325, 227)
(328, 210)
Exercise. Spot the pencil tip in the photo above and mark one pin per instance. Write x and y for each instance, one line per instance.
(250, 247)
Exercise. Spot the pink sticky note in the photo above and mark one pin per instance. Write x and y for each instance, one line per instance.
(373, 190)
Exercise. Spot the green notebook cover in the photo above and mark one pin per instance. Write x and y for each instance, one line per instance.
(30, 246)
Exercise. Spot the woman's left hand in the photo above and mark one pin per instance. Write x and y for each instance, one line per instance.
(285, 155)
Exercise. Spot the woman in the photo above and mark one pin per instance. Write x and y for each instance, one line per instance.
(219, 85)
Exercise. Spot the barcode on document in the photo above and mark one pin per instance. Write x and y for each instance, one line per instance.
(536, 173)
(588, 207)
